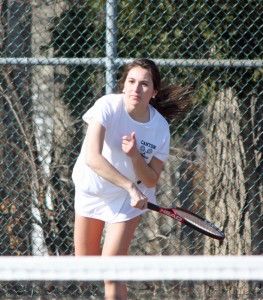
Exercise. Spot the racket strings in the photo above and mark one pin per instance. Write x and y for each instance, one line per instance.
(198, 222)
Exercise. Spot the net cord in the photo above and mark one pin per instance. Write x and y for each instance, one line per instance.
(131, 268)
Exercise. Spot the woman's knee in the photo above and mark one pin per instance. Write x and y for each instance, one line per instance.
(87, 236)
(118, 237)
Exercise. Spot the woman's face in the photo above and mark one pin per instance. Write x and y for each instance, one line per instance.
(138, 88)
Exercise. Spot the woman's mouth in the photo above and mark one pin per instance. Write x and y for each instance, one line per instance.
(136, 97)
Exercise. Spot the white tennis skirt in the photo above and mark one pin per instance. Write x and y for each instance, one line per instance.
(110, 209)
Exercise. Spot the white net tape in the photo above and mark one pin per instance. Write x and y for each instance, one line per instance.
(133, 268)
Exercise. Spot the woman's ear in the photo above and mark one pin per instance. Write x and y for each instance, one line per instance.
(155, 92)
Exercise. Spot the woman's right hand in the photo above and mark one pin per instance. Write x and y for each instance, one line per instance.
(138, 199)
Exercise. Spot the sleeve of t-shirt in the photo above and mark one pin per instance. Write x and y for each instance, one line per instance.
(163, 151)
(100, 111)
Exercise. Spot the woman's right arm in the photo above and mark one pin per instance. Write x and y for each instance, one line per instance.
(98, 163)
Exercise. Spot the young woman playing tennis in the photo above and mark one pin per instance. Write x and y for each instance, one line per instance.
(120, 162)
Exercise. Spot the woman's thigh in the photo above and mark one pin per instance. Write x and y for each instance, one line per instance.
(87, 236)
(118, 237)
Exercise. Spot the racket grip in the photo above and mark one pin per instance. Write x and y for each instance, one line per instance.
(153, 206)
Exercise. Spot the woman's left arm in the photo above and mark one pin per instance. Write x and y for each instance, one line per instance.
(147, 173)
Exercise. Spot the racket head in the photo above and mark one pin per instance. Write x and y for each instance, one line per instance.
(191, 219)
(200, 224)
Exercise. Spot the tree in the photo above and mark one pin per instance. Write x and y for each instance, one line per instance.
(18, 153)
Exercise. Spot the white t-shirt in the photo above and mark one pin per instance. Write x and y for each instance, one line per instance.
(99, 198)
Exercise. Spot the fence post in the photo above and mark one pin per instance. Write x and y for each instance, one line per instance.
(111, 43)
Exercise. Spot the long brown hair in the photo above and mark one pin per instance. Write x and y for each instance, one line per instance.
(171, 100)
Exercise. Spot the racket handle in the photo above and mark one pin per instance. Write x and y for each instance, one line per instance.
(153, 206)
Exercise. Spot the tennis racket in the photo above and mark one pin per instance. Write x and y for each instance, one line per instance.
(188, 218)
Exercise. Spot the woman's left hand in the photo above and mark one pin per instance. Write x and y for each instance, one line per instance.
(129, 145)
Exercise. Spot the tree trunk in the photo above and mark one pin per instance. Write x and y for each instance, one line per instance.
(226, 185)
(252, 131)
(55, 134)
(18, 153)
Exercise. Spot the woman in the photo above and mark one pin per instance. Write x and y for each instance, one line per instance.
(120, 162)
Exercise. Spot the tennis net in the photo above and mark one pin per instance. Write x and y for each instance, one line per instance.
(132, 268)
(78, 276)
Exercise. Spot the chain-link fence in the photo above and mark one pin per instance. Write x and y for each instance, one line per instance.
(58, 57)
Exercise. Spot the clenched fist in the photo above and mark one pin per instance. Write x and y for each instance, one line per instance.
(129, 145)
(138, 199)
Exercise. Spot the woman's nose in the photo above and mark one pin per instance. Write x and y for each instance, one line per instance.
(136, 87)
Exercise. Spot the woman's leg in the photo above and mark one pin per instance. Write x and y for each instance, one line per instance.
(87, 236)
(117, 241)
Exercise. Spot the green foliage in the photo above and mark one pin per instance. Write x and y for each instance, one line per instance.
(80, 32)
(168, 30)
(193, 30)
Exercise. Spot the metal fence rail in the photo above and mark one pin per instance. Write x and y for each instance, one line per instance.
(58, 57)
